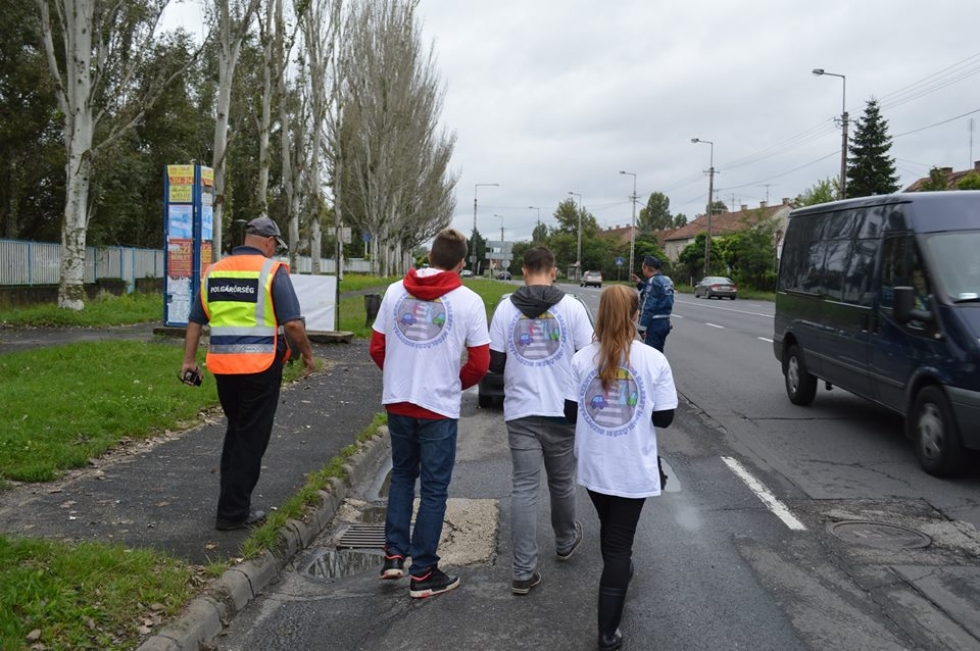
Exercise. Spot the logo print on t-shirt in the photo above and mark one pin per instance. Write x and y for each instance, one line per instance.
(421, 322)
(536, 340)
(612, 412)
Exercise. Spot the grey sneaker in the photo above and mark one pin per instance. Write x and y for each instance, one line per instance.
(566, 554)
(523, 586)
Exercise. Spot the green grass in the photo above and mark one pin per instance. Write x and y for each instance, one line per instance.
(85, 596)
(66, 404)
(103, 311)
(353, 315)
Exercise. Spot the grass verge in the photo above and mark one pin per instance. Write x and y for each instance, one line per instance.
(105, 310)
(85, 596)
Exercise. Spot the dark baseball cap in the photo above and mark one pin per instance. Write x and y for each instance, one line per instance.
(265, 227)
(652, 261)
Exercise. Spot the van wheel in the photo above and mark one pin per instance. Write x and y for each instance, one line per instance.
(801, 387)
(936, 437)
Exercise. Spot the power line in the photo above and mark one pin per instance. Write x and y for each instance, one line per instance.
(937, 123)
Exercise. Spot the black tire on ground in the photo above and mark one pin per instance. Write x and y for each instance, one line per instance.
(801, 387)
(733, 298)
(935, 434)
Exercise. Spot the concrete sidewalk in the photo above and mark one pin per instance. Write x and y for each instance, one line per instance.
(162, 493)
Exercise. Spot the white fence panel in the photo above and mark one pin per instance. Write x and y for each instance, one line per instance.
(39, 263)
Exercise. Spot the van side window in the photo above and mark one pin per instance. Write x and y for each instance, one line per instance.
(858, 281)
(896, 256)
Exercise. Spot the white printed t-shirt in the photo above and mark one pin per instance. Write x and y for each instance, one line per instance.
(615, 440)
(424, 343)
(538, 373)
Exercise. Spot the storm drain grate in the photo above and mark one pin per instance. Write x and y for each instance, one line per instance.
(880, 535)
(363, 536)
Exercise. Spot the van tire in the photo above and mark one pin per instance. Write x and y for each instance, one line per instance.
(801, 387)
(935, 434)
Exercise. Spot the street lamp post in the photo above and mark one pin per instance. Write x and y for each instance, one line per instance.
(578, 261)
(501, 228)
(632, 222)
(476, 187)
(711, 192)
(843, 121)
(539, 216)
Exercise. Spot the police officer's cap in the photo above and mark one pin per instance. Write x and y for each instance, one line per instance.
(652, 261)
(265, 227)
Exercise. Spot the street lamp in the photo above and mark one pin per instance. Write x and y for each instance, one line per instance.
(578, 261)
(843, 120)
(476, 187)
(632, 222)
(539, 215)
(711, 193)
(501, 229)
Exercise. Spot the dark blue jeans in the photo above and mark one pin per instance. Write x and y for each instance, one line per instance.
(426, 449)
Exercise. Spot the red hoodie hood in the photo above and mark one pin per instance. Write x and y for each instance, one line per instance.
(432, 285)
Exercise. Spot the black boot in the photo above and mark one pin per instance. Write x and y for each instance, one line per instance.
(611, 602)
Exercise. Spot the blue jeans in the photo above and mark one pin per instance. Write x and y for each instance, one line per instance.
(534, 440)
(423, 448)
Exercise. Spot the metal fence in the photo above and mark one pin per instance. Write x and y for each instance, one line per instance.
(39, 263)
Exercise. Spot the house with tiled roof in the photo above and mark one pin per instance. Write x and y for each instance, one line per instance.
(952, 178)
(723, 223)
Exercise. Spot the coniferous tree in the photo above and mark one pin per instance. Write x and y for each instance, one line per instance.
(870, 170)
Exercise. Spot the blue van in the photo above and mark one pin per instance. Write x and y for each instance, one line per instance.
(880, 296)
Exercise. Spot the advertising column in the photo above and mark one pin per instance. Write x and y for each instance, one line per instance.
(188, 236)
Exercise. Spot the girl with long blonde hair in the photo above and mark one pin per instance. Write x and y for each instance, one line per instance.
(623, 391)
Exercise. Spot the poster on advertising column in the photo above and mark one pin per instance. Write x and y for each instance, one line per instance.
(179, 285)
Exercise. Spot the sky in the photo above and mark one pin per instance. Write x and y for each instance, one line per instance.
(552, 97)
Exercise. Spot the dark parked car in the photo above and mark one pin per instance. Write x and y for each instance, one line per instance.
(716, 287)
(503, 275)
(491, 388)
(591, 279)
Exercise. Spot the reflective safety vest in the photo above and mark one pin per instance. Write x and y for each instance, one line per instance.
(237, 298)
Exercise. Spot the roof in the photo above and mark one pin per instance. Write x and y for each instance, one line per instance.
(952, 178)
(727, 222)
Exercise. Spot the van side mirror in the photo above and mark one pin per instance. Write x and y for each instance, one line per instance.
(905, 307)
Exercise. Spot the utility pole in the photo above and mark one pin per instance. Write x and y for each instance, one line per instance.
(476, 187)
(711, 196)
(578, 262)
(632, 222)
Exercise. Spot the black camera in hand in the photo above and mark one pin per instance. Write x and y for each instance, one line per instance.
(193, 377)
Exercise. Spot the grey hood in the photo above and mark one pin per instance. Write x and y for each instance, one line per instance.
(535, 300)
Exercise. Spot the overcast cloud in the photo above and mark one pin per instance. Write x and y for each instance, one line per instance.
(548, 97)
(552, 96)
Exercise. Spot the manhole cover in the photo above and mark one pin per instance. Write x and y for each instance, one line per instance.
(877, 534)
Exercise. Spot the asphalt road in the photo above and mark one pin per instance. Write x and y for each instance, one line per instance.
(783, 528)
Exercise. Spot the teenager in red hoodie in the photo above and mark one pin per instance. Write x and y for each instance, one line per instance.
(424, 323)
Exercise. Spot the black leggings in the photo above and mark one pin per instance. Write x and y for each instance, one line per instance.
(617, 517)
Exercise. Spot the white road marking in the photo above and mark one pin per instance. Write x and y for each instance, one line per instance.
(766, 340)
(772, 503)
(715, 325)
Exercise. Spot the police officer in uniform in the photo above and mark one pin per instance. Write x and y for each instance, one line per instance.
(245, 298)
(657, 300)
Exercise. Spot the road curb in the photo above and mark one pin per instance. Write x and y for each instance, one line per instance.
(206, 616)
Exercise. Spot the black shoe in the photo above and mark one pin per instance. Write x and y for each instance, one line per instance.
(394, 567)
(565, 555)
(523, 586)
(254, 518)
(432, 582)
